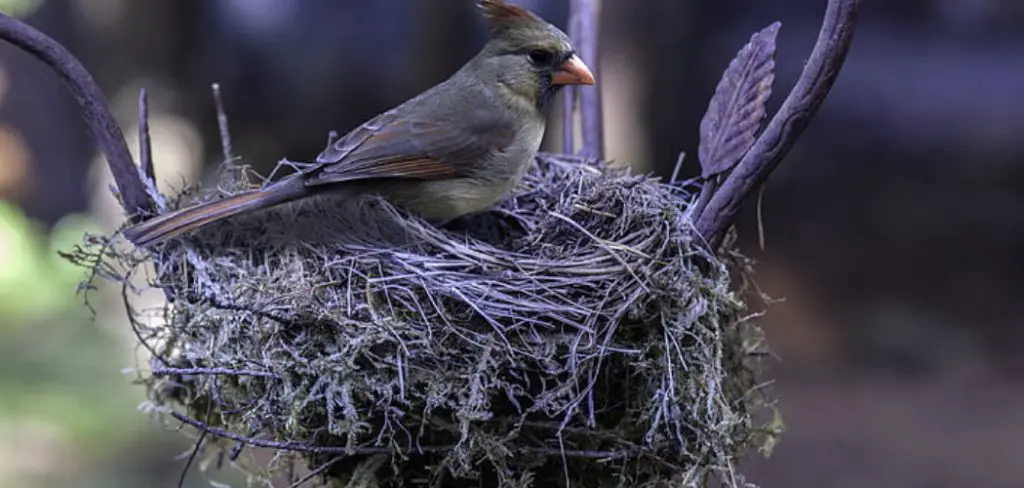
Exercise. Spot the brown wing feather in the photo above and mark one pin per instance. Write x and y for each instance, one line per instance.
(392, 147)
(342, 147)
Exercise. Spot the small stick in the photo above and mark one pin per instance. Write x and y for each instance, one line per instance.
(145, 146)
(222, 123)
(195, 452)
(315, 472)
(211, 371)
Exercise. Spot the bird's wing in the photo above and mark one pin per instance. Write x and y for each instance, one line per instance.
(392, 145)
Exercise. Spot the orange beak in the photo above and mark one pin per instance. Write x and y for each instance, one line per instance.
(573, 72)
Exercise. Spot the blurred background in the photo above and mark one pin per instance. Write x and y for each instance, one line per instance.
(893, 231)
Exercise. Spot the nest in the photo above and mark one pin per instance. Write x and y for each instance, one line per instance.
(578, 334)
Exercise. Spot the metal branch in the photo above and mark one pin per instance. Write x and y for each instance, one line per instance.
(570, 96)
(568, 122)
(95, 111)
(778, 138)
(585, 30)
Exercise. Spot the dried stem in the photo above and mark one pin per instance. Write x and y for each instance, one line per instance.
(95, 111)
(778, 138)
(313, 474)
(211, 371)
(222, 124)
(195, 452)
(145, 143)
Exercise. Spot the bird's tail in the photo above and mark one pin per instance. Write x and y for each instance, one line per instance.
(163, 227)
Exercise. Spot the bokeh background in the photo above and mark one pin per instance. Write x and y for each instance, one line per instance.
(894, 230)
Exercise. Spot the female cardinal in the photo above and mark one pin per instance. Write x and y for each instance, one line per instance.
(455, 149)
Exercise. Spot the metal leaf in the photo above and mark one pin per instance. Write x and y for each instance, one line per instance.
(736, 110)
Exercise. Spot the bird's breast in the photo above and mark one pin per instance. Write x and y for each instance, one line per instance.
(524, 148)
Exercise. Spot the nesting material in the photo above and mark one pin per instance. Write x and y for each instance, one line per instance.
(577, 334)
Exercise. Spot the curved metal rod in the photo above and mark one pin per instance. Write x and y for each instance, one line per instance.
(95, 111)
(778, 138)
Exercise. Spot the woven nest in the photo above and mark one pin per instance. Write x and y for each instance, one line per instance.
(577, 334)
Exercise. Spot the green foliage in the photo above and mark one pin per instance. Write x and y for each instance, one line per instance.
(34, 280)
(58, 371)
(19, 8)
(65, 374)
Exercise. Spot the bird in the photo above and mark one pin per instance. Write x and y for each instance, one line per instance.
(453, 150)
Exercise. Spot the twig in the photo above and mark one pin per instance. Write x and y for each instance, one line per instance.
(216, 302)
(211, 371)
(583, 454)
(222, 124)
(778, 138)
(315, 472)
(145, 143)
(586, 16)
(135, 323)
(191, 459)
(195, 451)
(236, 451)
(441, 476)
(97, 115)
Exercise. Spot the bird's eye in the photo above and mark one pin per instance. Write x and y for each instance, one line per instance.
(541, 57)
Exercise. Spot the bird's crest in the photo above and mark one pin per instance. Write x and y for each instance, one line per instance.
(501, 15)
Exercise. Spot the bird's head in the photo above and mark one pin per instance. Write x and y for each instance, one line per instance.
(529, 56)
